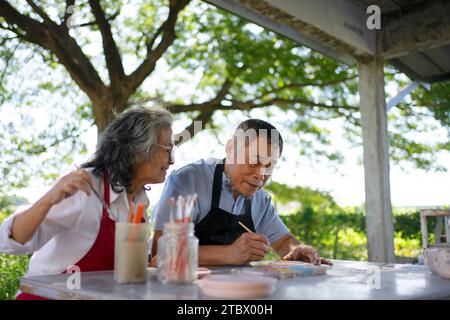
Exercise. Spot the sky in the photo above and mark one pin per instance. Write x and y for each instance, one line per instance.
(344, 181)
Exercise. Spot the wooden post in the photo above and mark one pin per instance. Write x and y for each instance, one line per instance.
(379, 224)
(438, 230)
(423, 229)
(447, 230)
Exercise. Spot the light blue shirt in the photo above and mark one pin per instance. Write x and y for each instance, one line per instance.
(198, 178)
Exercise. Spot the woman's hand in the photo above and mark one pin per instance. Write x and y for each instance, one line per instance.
(69, 185)
(306, 253)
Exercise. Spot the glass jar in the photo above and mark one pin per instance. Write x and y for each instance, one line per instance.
(178, 253)
(130, 253)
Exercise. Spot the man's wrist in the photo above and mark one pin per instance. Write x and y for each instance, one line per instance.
(227, 253)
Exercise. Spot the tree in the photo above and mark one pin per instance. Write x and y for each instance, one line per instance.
(236, 66)
(54, 37)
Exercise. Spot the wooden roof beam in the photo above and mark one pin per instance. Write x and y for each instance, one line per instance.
(421, 29)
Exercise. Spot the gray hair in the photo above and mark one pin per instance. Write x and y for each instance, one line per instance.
(128, 140)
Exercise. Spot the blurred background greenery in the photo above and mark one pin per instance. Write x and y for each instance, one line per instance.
(12, 268)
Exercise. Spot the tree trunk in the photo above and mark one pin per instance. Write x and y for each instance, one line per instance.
(111, 102)
(336, 240)
(102, 116)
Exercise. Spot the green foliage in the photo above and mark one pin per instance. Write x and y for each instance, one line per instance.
(438, 98)
(12, 268)
(407, 226)
(350, 245)
(284, 194)
(405, 247)
(263, 66)
(8, 204)
(211, 46)
(336, 232)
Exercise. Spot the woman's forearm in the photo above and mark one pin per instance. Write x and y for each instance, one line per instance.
(26, 223)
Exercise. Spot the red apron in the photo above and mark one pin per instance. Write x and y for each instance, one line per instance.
(101, 255)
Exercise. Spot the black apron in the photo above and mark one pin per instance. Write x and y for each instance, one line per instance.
(220, 227)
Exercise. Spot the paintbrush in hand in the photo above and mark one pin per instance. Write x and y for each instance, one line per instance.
(270, 248)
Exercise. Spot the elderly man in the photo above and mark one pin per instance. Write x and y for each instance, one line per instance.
(230, 191)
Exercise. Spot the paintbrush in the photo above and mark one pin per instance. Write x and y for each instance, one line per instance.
(270, 248)
(172, 204)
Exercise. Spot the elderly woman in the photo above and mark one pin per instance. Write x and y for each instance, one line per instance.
(68, 225)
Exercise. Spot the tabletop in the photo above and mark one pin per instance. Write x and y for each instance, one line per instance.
(345, 280)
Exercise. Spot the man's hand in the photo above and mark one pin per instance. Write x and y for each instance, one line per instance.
(308, 254)
(154, 262)
(248, 247)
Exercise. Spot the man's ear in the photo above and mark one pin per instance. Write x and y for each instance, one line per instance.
(229, 149)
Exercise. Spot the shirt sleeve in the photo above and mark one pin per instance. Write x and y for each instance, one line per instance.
(176, 184)
(271, 224)
(61, 216)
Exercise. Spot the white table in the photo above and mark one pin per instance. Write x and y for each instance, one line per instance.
(346, 280)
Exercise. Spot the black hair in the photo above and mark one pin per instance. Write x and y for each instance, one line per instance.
(260, 127)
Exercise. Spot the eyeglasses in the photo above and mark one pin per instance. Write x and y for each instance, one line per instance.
(170, 150)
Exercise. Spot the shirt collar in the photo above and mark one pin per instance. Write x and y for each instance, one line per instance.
(114, 195)
(140, 197)
(226, 182)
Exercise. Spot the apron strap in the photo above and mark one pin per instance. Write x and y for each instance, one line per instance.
(217, 185)
(248, 207)
(105, 191)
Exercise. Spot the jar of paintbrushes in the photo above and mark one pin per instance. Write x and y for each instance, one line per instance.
(131, 253)
(178, 246)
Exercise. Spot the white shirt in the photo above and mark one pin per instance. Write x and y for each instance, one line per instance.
(68, 231)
